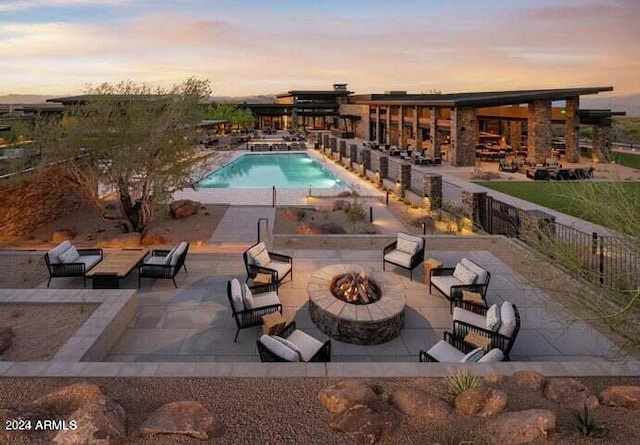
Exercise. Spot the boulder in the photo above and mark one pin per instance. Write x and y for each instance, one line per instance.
(293, 214)
(155, 237)
(419, 404)
(337, 204)
(344, 194)
(346, 207)
(530, 380)
(481, 402)
(494, 379)
(518, 427)
(101, 421)
(6, 338)
(570, 393)
(366, 425)
(185, 418)
(184, 208)
(624, 396)
(321, 229)
(61, 235)
(340, 396)
(123, 240)
(68, 399)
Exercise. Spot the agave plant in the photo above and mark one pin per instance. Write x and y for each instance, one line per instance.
(460, 381)
(587, 425)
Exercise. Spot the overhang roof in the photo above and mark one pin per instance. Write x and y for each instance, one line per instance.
(483, 99)
(315, 93)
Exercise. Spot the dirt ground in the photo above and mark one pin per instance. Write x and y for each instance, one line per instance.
(286, 411)
(285, 224)
(41, 329)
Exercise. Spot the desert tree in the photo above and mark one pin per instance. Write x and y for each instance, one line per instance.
(138, 142)
(235, 114)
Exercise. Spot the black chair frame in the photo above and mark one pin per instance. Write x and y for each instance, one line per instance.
(454, 341)
(249, 318)
(163, 271)
(254, 269)
(456, 290)
(416, 259)
(322, 355)
(502, 342)
(65, 270)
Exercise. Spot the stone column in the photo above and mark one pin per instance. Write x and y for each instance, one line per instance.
(417, 132)
(539, 131)
(378, 124)
(365, 158)
(404, 175)
(388, 129)
(463, 136)
(435, 137)
(515, 134)
(571, 129)
(401, 128)
(601, 151)
(471, 202)
(432, 191)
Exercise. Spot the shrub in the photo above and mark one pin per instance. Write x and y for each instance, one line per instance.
(587, 425)
(460, 381)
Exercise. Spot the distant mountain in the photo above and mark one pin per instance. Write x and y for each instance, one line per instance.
(630, 103)
(24, 98)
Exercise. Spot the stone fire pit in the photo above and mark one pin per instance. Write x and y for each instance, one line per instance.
(362, 324)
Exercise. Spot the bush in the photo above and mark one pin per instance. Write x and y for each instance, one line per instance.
(587, 425)
(460, 381)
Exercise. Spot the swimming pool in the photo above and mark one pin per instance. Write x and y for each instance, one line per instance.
(286, 170)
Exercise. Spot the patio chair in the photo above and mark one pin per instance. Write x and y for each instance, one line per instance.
(451, 281)
(455, 350)
(499, 323)
(258, 260)
(508, 166)
(293, 345)
(247, 309)
(65, 260)
(164, 264)
(407, 251)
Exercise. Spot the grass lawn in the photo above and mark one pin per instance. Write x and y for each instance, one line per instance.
(627, 159)
(561, 195)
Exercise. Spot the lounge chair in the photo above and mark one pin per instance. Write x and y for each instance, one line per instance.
(65, 260)
(508, 166)
(451, 281)
(407, 251)
(258, 260)
(164, 264)
(293, 345)
(455, 350)
(248, 308)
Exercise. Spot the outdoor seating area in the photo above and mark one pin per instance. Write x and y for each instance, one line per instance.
(65, 260)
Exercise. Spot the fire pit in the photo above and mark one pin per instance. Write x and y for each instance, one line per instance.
(356, 305)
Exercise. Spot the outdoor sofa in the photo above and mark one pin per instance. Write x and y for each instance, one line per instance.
(65, 260)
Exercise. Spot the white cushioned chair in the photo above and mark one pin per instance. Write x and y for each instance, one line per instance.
(297, 347)
(257, 259)
(264, 300)
(407, 251)
(164, 263)
(455, 350)
(503, 334)
(451, 281)
(65, 260)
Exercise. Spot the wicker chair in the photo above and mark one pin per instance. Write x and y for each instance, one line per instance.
(444, 279)
(465, 321)
(87, 259)
(406, 252)
(164, 264)
(266, 302)
(275, 264)
(454, 350)
(310, 349)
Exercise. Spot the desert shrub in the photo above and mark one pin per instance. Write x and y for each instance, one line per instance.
(460, 381)
(587, 425)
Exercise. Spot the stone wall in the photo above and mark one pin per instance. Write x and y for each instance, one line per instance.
(539, 131)
(571, 129)
(362, 124)
(463, 136)
(28, 203)
(601, 144)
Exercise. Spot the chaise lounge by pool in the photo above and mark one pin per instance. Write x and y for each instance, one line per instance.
(282, 170)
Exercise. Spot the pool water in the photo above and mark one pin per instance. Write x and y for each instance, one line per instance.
(290, 170)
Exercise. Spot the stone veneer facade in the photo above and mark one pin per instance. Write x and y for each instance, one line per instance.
(572, 125)
(362, 324)
(539, 131)
(601, 144)
(463, 136)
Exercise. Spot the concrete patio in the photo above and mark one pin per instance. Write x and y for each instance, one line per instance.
(193, 323)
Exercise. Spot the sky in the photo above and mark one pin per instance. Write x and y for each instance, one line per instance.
(247, 47)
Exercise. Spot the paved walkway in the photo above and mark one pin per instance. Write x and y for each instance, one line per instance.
(194, 323)
(240, 225)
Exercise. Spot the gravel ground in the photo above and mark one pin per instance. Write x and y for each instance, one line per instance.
(41, 329)
(286, 411)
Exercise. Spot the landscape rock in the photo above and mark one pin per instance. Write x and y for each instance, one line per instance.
(570, 393)
(344, 194)
(69, 398)
(531, 380)
(481, 402)
(61, 235)
(419, 404)
(320, 229)
(6, 338)
(154, 237)
(184, 208)
(100, 422)
(346, 207)
(337, 204)
(123, 240)
(340, 396)
(624, 396)
(293, 214)
(185, 418)
(494, 379)
(366, 425)
(518, 427)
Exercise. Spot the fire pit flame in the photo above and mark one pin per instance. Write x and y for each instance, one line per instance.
(355, 288)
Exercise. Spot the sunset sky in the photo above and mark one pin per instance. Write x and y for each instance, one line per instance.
(260, 47)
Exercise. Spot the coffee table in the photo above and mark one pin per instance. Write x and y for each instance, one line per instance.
(115, 266)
